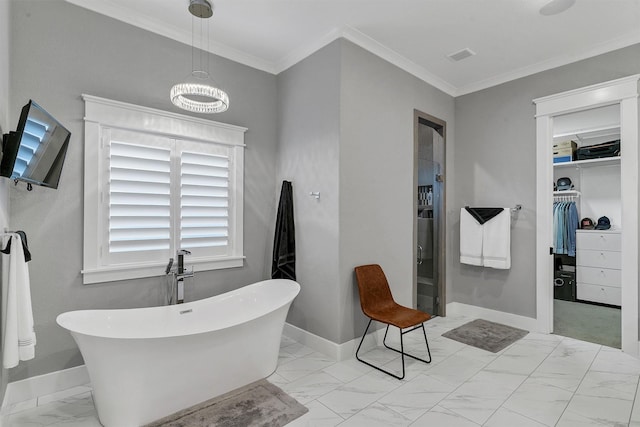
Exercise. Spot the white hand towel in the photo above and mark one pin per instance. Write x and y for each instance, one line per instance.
(18, 335)
(496, 241)
(470, 239)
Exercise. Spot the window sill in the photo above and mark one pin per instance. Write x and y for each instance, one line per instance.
(138, 271)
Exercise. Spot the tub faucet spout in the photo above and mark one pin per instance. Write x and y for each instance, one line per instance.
(181, 275)
(177, 275)
(181, 253)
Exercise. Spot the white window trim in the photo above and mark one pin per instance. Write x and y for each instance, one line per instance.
(99, 113)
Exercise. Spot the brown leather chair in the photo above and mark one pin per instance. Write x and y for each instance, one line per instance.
(378, 304)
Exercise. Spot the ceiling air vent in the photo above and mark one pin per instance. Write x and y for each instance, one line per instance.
(461, 54)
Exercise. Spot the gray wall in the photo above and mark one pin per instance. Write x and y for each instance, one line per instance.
(309, 127)
(4, 128)
(337, 136)
(60, 51)
(495, 165)
(377, 174)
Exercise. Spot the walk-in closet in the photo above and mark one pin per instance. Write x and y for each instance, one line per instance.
(587, 225)
(601, 169)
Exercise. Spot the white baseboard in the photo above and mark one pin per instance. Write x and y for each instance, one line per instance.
(515, 320)
(41, 385)
(336, 351)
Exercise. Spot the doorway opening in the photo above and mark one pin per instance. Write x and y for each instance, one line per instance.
(587, 225)
(429, 214)
(597, 284)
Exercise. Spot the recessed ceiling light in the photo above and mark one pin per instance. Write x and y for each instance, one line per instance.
(461, 54)
(555, 7)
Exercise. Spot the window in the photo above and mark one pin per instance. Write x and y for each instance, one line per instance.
(156, 182)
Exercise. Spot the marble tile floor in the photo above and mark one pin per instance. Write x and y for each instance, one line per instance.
(541, 380)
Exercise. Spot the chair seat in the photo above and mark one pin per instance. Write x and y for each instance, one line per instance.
(399, 316)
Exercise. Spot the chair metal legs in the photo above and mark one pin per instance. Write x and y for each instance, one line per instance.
(401, 351)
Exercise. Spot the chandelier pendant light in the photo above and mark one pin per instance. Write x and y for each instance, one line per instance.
(198, 93)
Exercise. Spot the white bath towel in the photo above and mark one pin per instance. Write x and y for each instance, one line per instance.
(496, 241)
(18, 335)
(471, 233)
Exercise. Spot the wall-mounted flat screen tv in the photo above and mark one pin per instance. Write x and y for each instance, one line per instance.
(35, 152)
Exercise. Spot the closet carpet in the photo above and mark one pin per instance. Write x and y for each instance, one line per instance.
(587, 322)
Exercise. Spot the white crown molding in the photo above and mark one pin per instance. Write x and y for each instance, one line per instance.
(298, 54)
(371, 45)
(396, 59)
(558, 61)
(115, 11)
(107, 8)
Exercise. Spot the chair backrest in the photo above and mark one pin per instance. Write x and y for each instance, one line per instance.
(375, 294)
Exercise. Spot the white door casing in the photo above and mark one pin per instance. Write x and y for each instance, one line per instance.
(623, 92)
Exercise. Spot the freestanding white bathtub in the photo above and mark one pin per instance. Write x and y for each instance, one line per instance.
(146, 363)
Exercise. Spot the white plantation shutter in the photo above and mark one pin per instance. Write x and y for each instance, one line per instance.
(204, 203)
(156, 182)
(139, 202)
(164, 195)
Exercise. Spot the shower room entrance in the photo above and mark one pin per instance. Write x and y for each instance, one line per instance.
(429, 211)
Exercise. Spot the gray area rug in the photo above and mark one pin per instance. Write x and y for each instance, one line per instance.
(486, 335)
(259, 404)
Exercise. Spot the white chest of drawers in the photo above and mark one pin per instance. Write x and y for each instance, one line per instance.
(598, 263)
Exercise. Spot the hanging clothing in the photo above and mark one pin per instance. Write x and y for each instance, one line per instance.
(565, 224)
(283, 265)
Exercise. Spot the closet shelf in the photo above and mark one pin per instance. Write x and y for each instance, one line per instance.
(605, 161)
(606, 130)
(567, 193)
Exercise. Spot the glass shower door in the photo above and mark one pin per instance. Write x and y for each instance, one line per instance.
(429, 199)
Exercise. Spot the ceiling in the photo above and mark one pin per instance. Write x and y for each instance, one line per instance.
(510, 38)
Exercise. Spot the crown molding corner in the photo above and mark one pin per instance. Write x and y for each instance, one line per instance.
(303, 52)
(370, 44)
